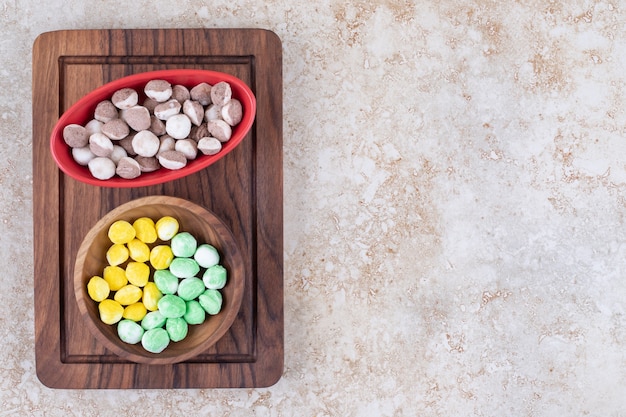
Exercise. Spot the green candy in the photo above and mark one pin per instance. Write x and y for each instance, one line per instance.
(214, 278)
(155, 340)
(165, 281)
(184, 245)
(172, 306)
(190, 288)
(195, 314)
(129, 331)
(206, 256)
(176, 329)
(211, 301)
(152, 320)
(184, 267)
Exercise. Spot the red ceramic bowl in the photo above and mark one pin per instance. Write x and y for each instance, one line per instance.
(82, 112)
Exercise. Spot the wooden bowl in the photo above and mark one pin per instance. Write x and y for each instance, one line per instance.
(83, 111)
(206, 228)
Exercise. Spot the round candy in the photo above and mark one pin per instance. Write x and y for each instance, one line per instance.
(138, 250)
(184, 245)
(155, 340)
(161, 256)
(206, 256)
(135, 312)
(145, 229)
(165, 281)
(151, 296)
(166, 227)
(115, 276)
(110, 311)
(137, 273)
(129, 331)
(176, 329)
(98, 289)
(195, 314)
(121, 231)
(211, 301)
(184, 267)
(215, 277)
(190, 288)
(117, 254)
(172, 306)
(152, 320)
(128, 294)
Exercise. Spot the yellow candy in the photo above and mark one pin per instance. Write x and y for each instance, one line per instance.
(138, 251)
(121, 231)
(98, 289)
(117, 254)
(151, 296)
(110, 311)
(137, 273)
(135, 312)
(128, 294)
(115, 276)
(145, 230)
(166, 227)
(161, 256)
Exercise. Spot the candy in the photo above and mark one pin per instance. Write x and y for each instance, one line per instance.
(155, 340)
(194, 314)
(110, 311)
(201, 93)
(172, 159)
(138, 251)
(211, 301)
(128, 168)
(125, 98)
(166, 227)
(121, 231)
(165, 281)
(145, 229)
(232, 112)
(100, 167)
(115, 129)
(158, 90)
(145, 143)
(129, 331)
(137, 273)
(190, 288)
(100, 144)
(76, 136)
(115, 276)
(161, 256)
(151, 296)
(219, 129)
(152, 320)
(184, 245)
(221, 93)
(206, 255)
(172, 306)
(98, 289)
(128, 294)
(105, 111)
(176, 328)
(164, 111)
(215, 277)
(184, 267)
(209, 146)
(135, 312)
(117, 254)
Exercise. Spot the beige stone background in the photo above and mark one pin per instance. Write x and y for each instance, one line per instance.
(455, 198)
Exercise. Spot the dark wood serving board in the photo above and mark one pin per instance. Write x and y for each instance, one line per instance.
(244, 189)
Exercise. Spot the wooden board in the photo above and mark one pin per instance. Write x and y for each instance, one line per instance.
(244, 189)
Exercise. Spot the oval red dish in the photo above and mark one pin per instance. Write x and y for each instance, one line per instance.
(82, 112)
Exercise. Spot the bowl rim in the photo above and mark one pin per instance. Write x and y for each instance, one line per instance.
(79, 113)
(79, 281)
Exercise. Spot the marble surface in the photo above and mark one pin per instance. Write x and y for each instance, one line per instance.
(455, 193)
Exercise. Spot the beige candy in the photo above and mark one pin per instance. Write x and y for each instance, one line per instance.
(125, 98)
(168, 143)
(147, 163)
(100, 144)
(159, 90)
(127, 144)
(94, 126)
(101, 168)
(105, 111)
(115, 129)
(128, 168)
(194, 111)
(187, 147)
(180, 93)
(83, 155)
(172, 160)
(178, 126)
(213, 112)
(150, 104)
(137, 117)
(209, 146)
(219, 129)
(168, 109)
(156, 126)
(117, 154)
(75, 135)
(232, 112)
(145, 143)
(221, 93)
(201, 93)
(198, 132)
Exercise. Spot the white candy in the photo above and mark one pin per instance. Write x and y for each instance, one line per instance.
(102, 168)
(178, 126)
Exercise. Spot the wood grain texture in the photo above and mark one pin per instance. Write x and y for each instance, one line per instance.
(244, 189)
